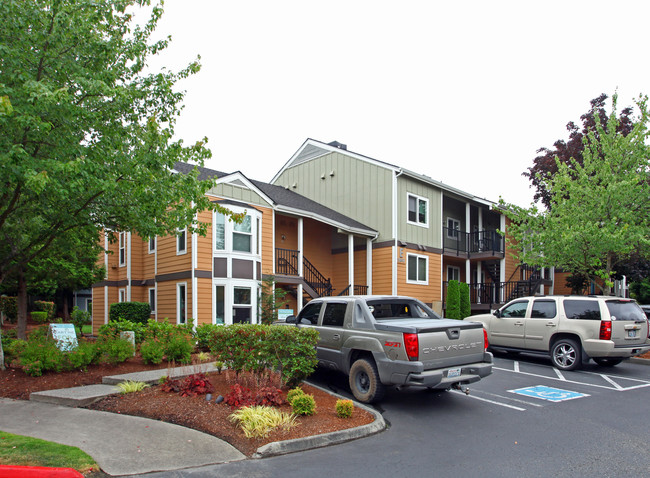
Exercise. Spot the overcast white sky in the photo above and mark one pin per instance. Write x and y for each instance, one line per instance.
(464, 92)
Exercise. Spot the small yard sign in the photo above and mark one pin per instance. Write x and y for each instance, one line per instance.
(284, 313)
(64, 335)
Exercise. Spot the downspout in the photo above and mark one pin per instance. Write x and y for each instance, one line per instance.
(106, 286)
(128, 268)
(394, 227)
(195, 295)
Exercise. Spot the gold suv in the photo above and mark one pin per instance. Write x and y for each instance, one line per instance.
(571, 329)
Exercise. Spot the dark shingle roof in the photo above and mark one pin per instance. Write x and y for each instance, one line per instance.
(283, 197)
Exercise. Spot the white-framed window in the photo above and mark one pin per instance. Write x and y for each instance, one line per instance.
(181, 302)
(417, 269)
(242, 238)
(453, 226)
(152, 299)
(121, 295)
(453, 273)
(122, 249)
(220, 304)
(417, 210)
(235, 301)
(181, 241)
(152, 245)
(242, 305)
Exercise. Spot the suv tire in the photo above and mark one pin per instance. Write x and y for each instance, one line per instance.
(566, 354)
(607, 362)
(364, 381)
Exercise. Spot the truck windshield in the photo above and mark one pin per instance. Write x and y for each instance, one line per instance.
(400, 309)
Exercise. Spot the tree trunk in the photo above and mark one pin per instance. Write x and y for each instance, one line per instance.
(22, 305)
(66, 311)
(2, 354)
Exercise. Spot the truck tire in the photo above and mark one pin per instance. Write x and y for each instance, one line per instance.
(566, 354)
(364, 381)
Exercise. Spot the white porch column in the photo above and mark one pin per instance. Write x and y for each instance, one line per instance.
(128, 267)
(351, 264)
(195, 282)
(369, 265)
(106, 287)
(541, 287)
(300, 246)
(299, 299)
(502, 268)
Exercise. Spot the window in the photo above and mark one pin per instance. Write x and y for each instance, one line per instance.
(417, 268)
(242, 306)
(515, 310)
(334, 315)
(220, 306)
(582, 309)
(241, 236)
(121, 295)
(181, 303)
(453, 226)
(309, 314)
(453, 273)
(543, 309)
(152, 245)
(219, 231)
(417, 210)
(122, 242)
(152, 300)
(181, 241)
(624, 310)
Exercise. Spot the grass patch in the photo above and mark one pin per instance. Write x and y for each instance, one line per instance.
(20, 450)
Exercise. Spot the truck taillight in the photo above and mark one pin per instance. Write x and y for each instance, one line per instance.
(605, 330)
(412, 346)
(485, 340)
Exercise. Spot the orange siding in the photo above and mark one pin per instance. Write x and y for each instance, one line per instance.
(204, 288)
(382, 275)
(168, 261)
(339, 275)
(360, 268)
(510, 262)
(204, 243)
(267, 241)
(98, 308)
(317, 241)
(167, 300)
(286, 232)
(426, 293)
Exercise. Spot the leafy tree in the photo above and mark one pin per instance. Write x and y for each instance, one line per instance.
(453, 300)
(87, 133)
(599, 215)
(640, 291)
(545, 165)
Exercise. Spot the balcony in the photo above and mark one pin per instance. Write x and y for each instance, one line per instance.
(479, 244)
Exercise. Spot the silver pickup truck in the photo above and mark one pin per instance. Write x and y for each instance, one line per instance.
(380, 341)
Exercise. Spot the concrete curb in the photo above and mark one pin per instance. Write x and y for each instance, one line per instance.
(640, 360)
(325, 439)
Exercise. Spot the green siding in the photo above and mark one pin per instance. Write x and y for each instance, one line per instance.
(427, 236)
(238, 193)
(357, 189)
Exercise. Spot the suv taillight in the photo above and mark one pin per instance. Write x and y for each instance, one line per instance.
(485, 340)
(412, 346)
(605, 330)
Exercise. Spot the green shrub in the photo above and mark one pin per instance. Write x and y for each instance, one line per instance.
(303, 404)
(178, 348)
(204, 336)
(39, 317)
(293, 393)
(112, 330)
(465, 304)
(152, 351)
(9, 306)
(83, 355)
(344, 408)
(138, 312)
(114, 351)
(40, 355)
(13, 348)
(453, 300)
(45, 306)
(80, 317)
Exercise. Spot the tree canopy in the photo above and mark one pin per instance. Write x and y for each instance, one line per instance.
(86, 132)
(599, 207)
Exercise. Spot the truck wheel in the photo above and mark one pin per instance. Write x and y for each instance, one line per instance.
(565, 354)
(607, 362)
(364, 381)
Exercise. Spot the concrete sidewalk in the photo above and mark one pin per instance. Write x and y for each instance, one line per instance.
(121, 445)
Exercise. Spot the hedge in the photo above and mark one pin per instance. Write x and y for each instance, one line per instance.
(138, 312)
(9, 306)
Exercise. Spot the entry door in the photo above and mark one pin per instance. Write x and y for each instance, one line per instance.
(541, 323)
(508, 330)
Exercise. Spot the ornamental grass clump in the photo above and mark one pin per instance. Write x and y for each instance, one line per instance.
(259, 421)
(131, 386)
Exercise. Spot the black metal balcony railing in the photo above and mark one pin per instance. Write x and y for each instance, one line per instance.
(358, 290)
(473, 243)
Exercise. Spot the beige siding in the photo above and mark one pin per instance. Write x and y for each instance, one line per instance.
(238, 193)
(427, 236)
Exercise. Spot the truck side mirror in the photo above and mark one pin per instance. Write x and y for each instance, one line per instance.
(497, 313)
(291, 320)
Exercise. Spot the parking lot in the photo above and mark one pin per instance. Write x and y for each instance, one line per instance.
(526, 419)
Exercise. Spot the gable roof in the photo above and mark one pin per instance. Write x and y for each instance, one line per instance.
(312, 149)
(285, 200)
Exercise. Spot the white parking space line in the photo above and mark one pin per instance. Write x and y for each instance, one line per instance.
(512, 399)
(516, 366)
(606, 378)
(489, 401)
(559, 374)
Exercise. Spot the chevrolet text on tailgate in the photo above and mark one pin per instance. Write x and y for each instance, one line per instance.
(381, 341)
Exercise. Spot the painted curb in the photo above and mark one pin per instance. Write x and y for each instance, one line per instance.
(325, 439)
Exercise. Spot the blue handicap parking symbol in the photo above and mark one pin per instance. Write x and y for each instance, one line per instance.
(549, 393)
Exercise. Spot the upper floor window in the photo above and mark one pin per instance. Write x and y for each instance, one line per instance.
(122, 245)
(243, 237)
(453, 226)
(453, 273)
(417, 268)
(181, 241)
(417, 210)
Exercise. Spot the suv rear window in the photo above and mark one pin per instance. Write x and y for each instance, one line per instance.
(582, 309)
(624, 310)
